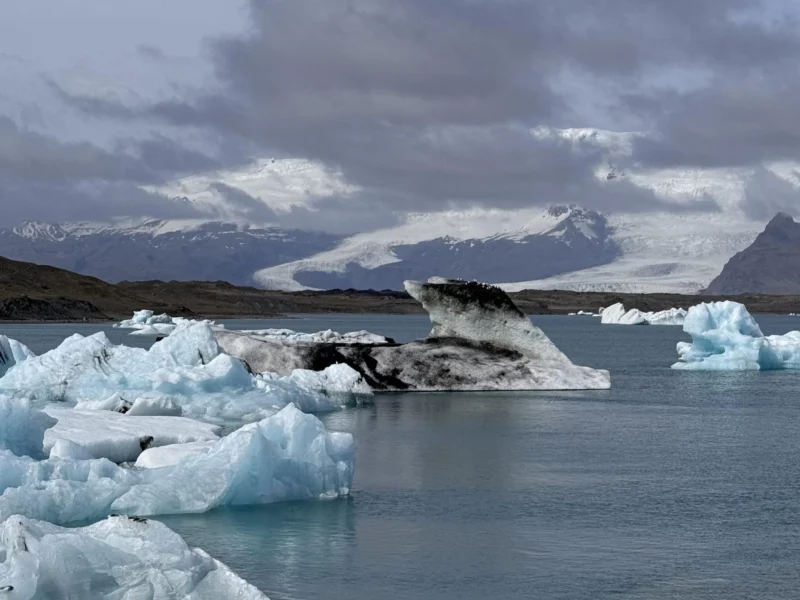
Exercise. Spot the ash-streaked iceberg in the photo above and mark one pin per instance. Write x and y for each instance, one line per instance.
(320, 337)
(617, 315)
(725, 337)
(480, 341)
(115, 559)
(289, 456)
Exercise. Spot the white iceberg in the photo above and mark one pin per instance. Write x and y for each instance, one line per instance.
(115, 559)
(725, 337)
(289, 456)
(146, 323)
(186, 373)
(166, 456)
(617, 315)
(119, 437)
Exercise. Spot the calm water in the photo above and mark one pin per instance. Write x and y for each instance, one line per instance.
(671, 485)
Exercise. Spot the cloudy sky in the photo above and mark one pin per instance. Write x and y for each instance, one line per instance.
(417, 105)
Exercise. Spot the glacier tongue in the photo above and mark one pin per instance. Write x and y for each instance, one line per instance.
(114, 559)
(725, 337)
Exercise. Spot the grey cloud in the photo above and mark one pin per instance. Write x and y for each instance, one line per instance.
(244, 204)
(151, 53)
(767, 194)
(428, 105)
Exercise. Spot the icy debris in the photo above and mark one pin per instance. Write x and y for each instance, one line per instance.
(12, 353)
(146, 323)
(186, 373)
(22, 429)
(321, 337)
(582, 313)
(617, 315)
(166, 456)
(725, 337)
(120, 557)
(289, 456)
(122, 438)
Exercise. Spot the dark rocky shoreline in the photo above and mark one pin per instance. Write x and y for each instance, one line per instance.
(36, 293)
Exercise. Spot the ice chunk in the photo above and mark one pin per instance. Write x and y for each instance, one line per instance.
(329, 336)
(289, 456)
(185, 371)
(725, 337)
(617, 315)
(12, 353)
(22, 429)
(63, 448)
(338, 381)
(121, 438)
(165, 456)
(118, 558)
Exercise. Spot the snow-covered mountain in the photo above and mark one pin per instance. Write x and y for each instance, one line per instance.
(168, 250)
(489, 245)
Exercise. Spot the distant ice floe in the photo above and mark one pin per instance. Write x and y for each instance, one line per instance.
(116, 558)
(289, 456)
(146, 323)
(617, 315)
(725, 337)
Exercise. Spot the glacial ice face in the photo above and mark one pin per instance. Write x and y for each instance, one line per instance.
(22, 429)
(617, 315)
(12, 353)
(725, 337)
(289, 456)
(186, 373)
(118, 558)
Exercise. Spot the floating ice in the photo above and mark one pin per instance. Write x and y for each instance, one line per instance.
(166, 456)
(617, 315)
(480, 341)
(328, 336)
(118, 558)
(122, 438)
(146, 323)
(22, 428)
(725, 337)
(186, 373)
(289, 456)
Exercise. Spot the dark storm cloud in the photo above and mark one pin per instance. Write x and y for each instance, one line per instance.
(428, 105)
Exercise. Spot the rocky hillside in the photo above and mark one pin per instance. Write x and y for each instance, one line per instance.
(770, 265)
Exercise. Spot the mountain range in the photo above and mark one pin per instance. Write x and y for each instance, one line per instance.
(679, 249)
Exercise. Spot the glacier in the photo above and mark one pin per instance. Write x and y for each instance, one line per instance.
(289, 456)
(617, 315)
(185, 374)
(117, 558)
(480, 341)
(725, 337)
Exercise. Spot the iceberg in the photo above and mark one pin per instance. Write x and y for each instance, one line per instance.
(117, 558)
(617, 315)
(725, 337)
(184, 374)
(146, 323)
(328, 336)
(289, 456)
(480, 341)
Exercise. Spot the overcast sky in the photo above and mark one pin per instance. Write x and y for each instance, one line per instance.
(423, 105)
